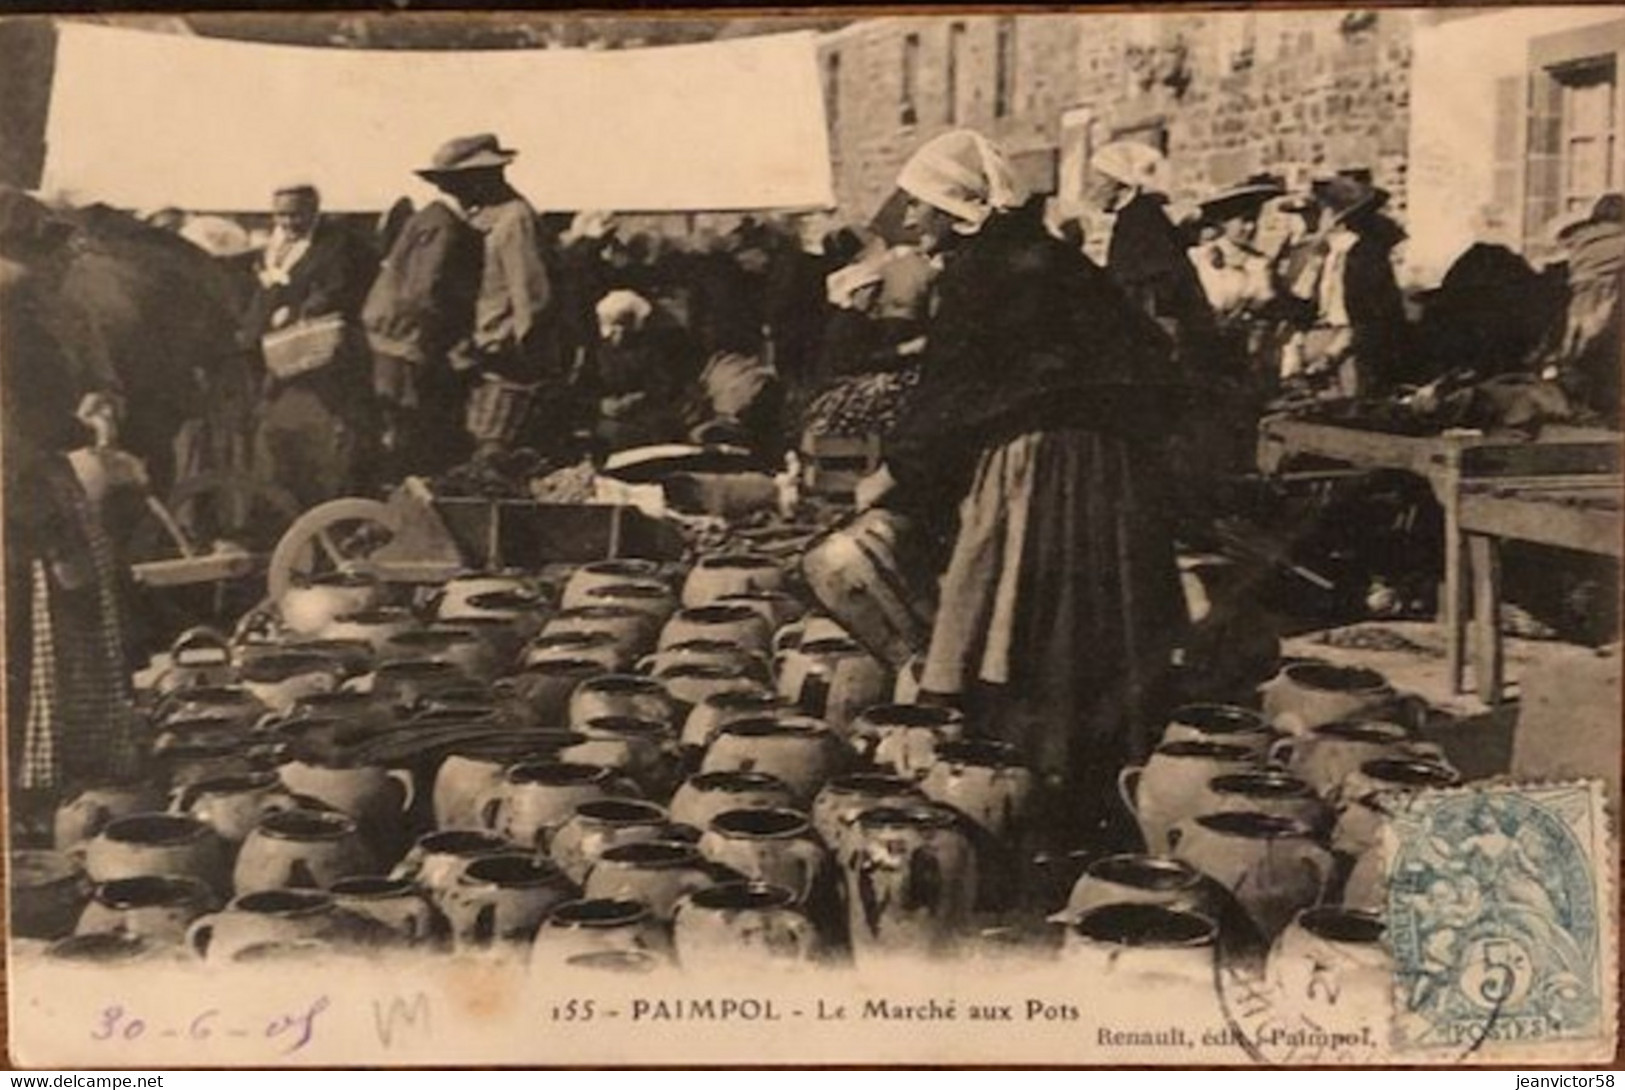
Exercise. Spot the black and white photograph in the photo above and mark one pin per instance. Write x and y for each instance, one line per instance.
(822, 537)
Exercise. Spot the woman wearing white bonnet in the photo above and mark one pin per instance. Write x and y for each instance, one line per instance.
(1039, 416)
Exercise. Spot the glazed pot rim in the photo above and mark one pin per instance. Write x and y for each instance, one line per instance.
(513, 599)
(728, 896)
(317, 825)
(370, 886)
(712, 671)
(121, 893)
(1362, 730)
(280, 666)
(556, 773)
(735, 780)
(1252, 825)
(378, 615)
(763, 726)
(659, 854)
(717, 614)
(1127, 863)
(875, 783)
(740, 698)
(623, 683)
(413, 668)
(601, 613)
(1331, 678)
(921, 816)
(211, 693)
(438, 634)
(1198, 930)
(1262, 784)
(908, 715)
(619, 565)
(648, 589)
(787, 823)
(551, 640)
(590, 912)
(447, 841)
(979, 753)
(832, 645)
(563, 666)
(1427, 773)
(184, 829)
(293, 902)
(622, 811)
(737, 560)
(1335, 923)
(528, 872)
(633, 725)
(99, 945)
(340, 579)
(233, 783)
(1213, 750)
(1219, 719)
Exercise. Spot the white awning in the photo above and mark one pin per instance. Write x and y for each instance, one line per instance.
(142, 120)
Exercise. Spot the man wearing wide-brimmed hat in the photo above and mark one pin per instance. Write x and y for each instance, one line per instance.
(1235, 274)
(514, 347)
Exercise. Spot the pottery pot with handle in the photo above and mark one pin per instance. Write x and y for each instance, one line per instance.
(1223, 723)
(911, 882)
(702, 797)
(379, 799)
(1140, 879)
(1334, 961)
(48, 890)
(145, 844)
(801, 751)
(408, 684)
(1327, 754)
(1136, 944)
(651, 597)
(502, 900)
(278, 681)
(777, 847)
(437, 859)
(376, 626)
(716, 711)
(740, 926)
(658, 873)
(471, 771)
(80, 818)
(461, 647)
(271, 916)
(534, 800)
(714, 577)
(777, 607)
(600, 825)
(691, 684)
(904, 737)
(600, 647)
(158, 907)
(833, 680)
(809, 628)
(1367, 797)
(1305, 695)
(547, 688)
(605, 573)
(396, 905)
(233, 805)
(634, 630)
(643, 750)
(1169, 787)
(309, 607)
(621, 696)
(726, 624)
(593, 927)
(199, 658)
(301, 849)
(1273, 866)
(843, 800)
(1268, 792)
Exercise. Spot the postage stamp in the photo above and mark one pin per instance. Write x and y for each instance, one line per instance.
(1498, 919)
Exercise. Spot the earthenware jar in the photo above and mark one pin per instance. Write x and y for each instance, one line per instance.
(634, 630)
(658, 873)
(904, 737)
(180, 765)
(233, 805)
(103, 949)
(1221, 723)
(1169, 787)
(809, 629)
(546, 689)
(1334, 961)
(1268, 792)
(48, 890)
(1142, 943)
(719, 709)
(604, 573)
(534, 800)
(199, 732)
(596, 926)
(524, 613)
(199, 658)
(145, 844)
(364, 712)
(986, 782)
(741, 926)
(408, 684)
(799, 750)
(727, 624)
(158, 907)
(308, 608)
(1274, 866)
(301, 849)
(377, 798)
(1367, 797)
(1305, 695)
(599, 825)
(437, 858)
(648, 596)
(87, 813)
(715, 577)
(1326, 755)
(460, 647)
(1139, 879)
(642, 750)
(452, 603)
(394, 904)
(233, 702)
(843, 800)
(503, 899)
(702, 797)
(911, 881)
(778, 608)
(773, 846)
(268, 916)
(376, 626)
(278, 681)
(355, 658)
(599, 647)
(833, 680)
(621, 695)
(690, 684)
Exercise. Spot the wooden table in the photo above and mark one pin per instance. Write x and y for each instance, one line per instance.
(1455, 464)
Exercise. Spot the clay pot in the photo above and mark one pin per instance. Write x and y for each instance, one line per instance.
(741, 625)
(1268, 792)
(311, 607)
(503, 899)
(377, 798)
(1169, 787)
(147, 844)
(158, 907)
(1273, 865)
(987, 783)
(622, 962)
(86, 814)
(904, 737)
(719, 709)
(600, 647)
(1366, 798)
(642, 750)
(1335, 961)
(269, 917)
(454, 601)
(437, 859)
(599, 825)
(800, 751)
(777, 847)
(363, 713)
(604, 573)
(394, 904)
(301, 849)
(658, 873)
(231, 702)
(692, 684)
(460, 647)
(843, 800)
(621, 696)
(811, 628)
(715, 577)
(1223, 723)
(701, 798)
(203, 732)
(48, 890)
(181, 765)
(633, 629)
(1140, 879)
(740, 926)
(861, 573)
(375, 626)
(473, 770)
(547, 688)
(354, 657)
(1327, 754)
(233, 805)
(103, 949)
(1305, 695)
(833, 680)
(279, 680)
(650, 597)
(523, 613)
(778, 608)
(199, 658)
(911, 882)
(596, 926)
(533, 801)
(1135, 944)
(411, 683)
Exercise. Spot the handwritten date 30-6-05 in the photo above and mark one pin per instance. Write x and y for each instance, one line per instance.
(290, 1030)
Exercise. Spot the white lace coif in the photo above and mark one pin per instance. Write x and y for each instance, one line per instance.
(963, 174)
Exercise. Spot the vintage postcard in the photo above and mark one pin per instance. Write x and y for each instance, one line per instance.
(838, 537)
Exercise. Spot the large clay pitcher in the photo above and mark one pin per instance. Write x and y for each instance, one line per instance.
(1327, 754)
(809, 629)
(438, 859)
(772, 846)
(301, 849)
(1273, 866)
(843, 800)
(536, 799)
(715, 577)
(799, 750)
(522, 612)
(503, 900)
(596, 926)
(658, 873)
(394, 904)
(452, 603)
(859, 573)
(1170, 786)
(604, 573)
(199, 658)
(621, 696)
(104, 949)
(307, 608)
(600, 825)
(145, 844)
(719, 709)
(702, 797)
(904, 737)
(1134, 945)
(741, 926)
(80, 818)
(727, 624)
(1224, 723)
(986, 782)
(159, 907)
(832, 680)
(1336, 966)
(911, 882)
(233, 805)
(1305, 695)
(48, 890)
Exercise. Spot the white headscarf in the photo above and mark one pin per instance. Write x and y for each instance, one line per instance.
(1134, 164)
(965, 175)
(842, 285)
(622, 306)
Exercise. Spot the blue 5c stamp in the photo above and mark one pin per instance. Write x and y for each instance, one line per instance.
(1501, 920)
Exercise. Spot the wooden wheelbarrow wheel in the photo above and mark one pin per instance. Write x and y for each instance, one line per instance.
(340, 535)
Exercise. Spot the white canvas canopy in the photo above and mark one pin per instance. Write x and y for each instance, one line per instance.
(142, 120)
